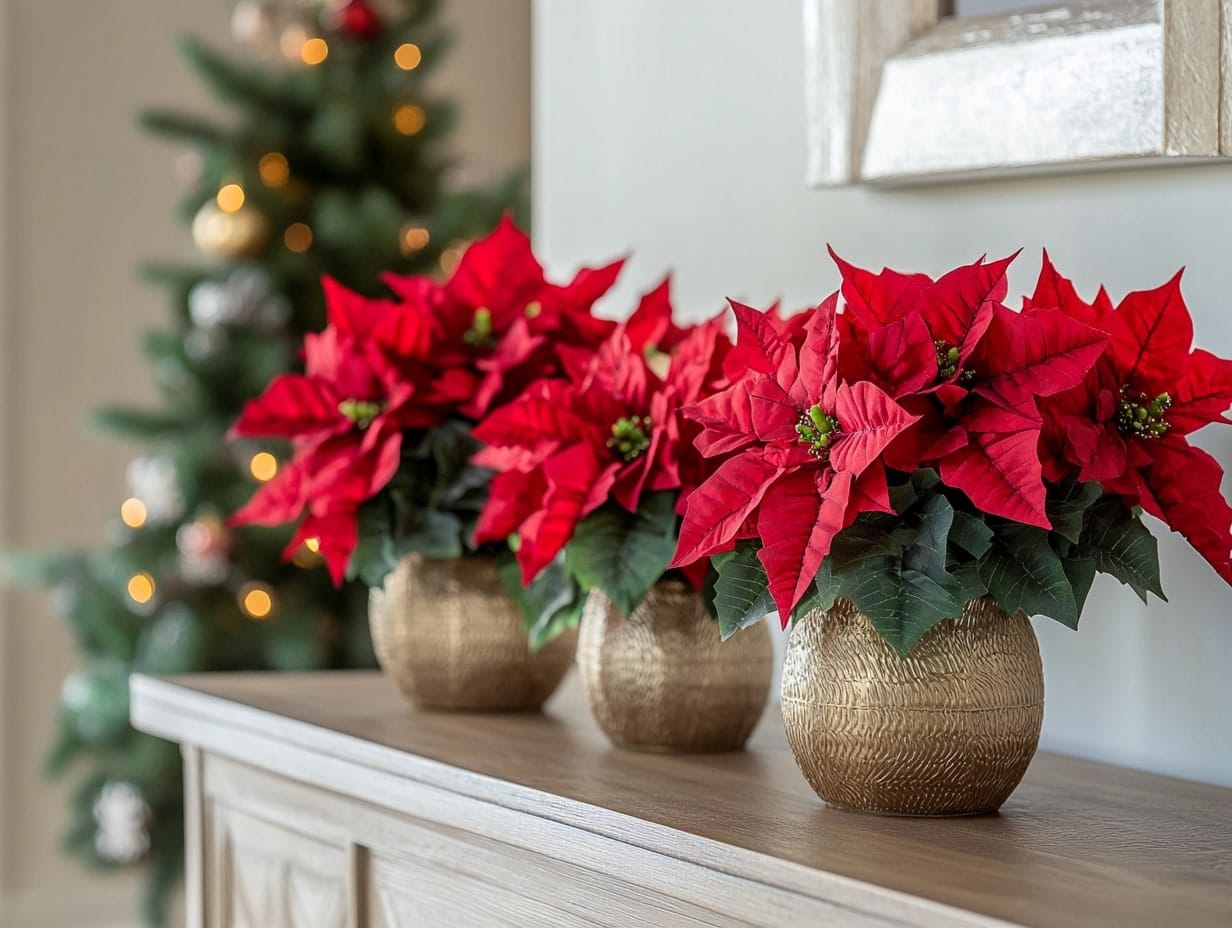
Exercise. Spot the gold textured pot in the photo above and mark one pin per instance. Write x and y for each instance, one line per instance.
(662, 680)
(451, 638)
(950, 730)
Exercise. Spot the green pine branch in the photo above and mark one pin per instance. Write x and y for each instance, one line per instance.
(357, 183)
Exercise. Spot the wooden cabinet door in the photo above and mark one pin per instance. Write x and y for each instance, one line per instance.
(263, 875)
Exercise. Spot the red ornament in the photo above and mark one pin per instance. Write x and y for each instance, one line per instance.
(359, 20)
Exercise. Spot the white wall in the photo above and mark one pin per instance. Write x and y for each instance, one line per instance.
(677, 129)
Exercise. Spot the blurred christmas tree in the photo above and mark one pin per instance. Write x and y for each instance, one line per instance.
(335, 163)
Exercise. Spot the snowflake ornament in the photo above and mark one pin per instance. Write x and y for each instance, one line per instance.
(122, 816)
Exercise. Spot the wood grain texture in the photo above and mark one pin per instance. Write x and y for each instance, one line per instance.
(407, 829)
(195, 853)
(846, 42)
(1078, 844)
(264, 875)
(1192, 58)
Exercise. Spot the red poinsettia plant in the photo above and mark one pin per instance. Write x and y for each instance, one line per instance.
(593, 467)
(380, 421)
(911, 444)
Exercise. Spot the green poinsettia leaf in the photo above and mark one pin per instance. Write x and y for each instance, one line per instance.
(1068, 508)
(870, 536)
(624, 554)
(430, 533)
(824, 591)
(929, 548)
(1022, 571)
(925, 479)
(436, 535)
(903, 496)
(551, 625)
(550, 605)
(902, 603)
(970, 534)
(373, 555)
(970, 586)
(1081, 574)
(456, 483)
(1119, 544)
(742, 590)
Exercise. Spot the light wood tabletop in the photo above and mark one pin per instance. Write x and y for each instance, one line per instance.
(1079, 843)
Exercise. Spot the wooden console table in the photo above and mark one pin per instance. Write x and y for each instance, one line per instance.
(325, 801)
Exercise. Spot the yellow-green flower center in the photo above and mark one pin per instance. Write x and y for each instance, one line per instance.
(947, 362)
(1140, 417)
(818, 430)
(629, 438)
(480, 333)
(361, 412)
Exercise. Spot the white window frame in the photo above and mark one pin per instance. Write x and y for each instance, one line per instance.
(898, 93)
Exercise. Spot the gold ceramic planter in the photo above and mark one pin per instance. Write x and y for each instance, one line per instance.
(662, 680)
(950, 730)
(451, 638)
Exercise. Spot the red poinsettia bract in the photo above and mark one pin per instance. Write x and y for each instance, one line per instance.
(384, 366)
(808, 452)
(346, 415)
(972, 369)
(911, 373)
(498, 315)
(610, 429)
(1125, 424)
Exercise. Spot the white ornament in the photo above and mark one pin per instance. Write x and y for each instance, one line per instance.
(244, 298)
(122, 816)
(153, 480)
(203, 551)
(253, 21)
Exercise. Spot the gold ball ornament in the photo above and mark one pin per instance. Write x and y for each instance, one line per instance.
(242, 233)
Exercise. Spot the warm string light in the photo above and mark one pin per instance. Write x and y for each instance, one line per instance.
(451, 257)
(414, 238)
(314, 51)
(291, 42)
(298, 237)
(408, 56)
(231, 198)
(274, 169)
(409, 119)
(308, 555)
(263, 466)
(133, 512)
(256, 601)
(141, 588)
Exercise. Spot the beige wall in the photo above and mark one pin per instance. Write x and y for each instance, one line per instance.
(677, 130)
(84, 199)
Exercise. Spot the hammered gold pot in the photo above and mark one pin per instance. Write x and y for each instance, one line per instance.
(950, 730)
(449, 635)
(662, 680)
